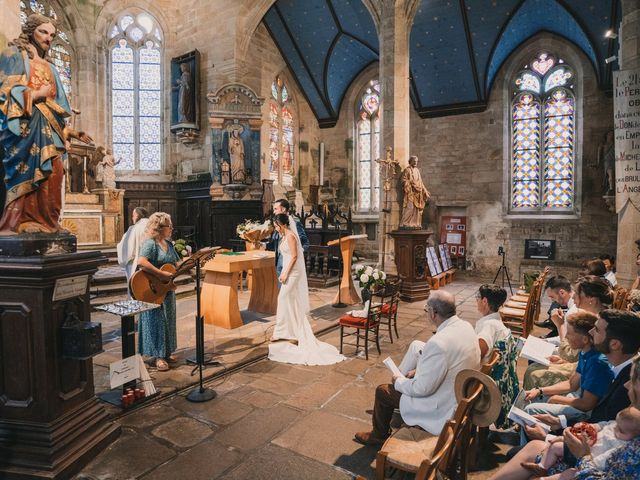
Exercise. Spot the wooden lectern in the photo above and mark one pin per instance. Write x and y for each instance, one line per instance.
(347, 293)
(219, 297)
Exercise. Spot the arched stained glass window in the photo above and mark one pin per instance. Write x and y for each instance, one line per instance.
(136, 100)
(543, 137)
(281, 134)
(368, 149)
(61, 52)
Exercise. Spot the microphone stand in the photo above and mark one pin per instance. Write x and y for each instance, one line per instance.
(339, 303)
(200, 393)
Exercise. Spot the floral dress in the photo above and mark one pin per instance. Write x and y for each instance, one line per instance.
(505, 375)
(157, 328)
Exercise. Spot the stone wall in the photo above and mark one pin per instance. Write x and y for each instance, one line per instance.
(9, 22)
(465, 161)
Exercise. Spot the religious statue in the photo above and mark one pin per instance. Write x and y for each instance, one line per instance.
(415, 196)
(236, 153)
(33, 131)
(105, 168)
(607, 160)
(185, 97)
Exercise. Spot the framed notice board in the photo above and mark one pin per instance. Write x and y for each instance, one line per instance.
(453, 233)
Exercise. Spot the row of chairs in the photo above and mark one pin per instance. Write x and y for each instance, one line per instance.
(413, 450)
(383, 310)
(522, 309)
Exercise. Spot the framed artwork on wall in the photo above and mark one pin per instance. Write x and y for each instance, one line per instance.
(185, 91)
(540, 249)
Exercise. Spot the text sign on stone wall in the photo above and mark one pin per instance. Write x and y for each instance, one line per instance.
(627, 133)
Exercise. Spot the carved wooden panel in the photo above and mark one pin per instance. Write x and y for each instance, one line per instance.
(16, 355)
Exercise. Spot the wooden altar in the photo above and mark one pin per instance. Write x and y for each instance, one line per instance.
(219, 297)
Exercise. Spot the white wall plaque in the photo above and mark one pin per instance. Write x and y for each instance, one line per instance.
(70, 287)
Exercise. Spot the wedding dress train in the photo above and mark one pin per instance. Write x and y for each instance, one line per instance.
(292, 322)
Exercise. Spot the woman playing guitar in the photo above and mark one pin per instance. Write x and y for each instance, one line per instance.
(157, 328)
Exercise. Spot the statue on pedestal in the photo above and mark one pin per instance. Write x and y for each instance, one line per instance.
(607, 161)
(415, 196)
(236, 153)
(105, 168)
(34, 133)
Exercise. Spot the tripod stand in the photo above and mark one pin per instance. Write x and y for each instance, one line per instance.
(200, 393)
(503, 269)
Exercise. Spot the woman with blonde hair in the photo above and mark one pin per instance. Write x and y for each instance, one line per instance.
(157, 328)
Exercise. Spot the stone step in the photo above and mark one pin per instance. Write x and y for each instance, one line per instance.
(182, 291)
(107, 287)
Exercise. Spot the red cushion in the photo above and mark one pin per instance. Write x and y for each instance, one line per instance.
(386, 307)
(350, 321)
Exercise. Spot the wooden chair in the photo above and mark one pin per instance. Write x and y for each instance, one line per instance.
(390, 302)
(520, 321)
(411, 449)
(620, 299)
(487, 367)
(365, 329)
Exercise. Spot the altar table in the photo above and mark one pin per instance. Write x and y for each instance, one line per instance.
(219, 297)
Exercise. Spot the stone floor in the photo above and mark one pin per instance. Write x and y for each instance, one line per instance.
(269, 420)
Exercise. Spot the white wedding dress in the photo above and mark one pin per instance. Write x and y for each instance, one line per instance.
(291, 318)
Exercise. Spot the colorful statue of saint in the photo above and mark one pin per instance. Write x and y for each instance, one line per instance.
(34, 135)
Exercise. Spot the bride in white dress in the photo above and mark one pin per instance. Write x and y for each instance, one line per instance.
(292, 324)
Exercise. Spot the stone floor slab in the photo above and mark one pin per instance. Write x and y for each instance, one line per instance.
(223, 410)
(317, 394)
(183, 432)
(328, 438)
(276, 385)
(150, 416)
(130, 456)
(205, 461)
(273, 463)
(258, 428)
(353, 401)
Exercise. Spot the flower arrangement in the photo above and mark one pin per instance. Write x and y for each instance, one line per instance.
(253, 231)
(182, 248)
(368, 277)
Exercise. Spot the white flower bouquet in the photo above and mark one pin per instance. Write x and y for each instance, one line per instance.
(368, 277)
(253, 231)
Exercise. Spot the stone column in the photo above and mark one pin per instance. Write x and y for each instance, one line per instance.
(394, 78)
(629, 216)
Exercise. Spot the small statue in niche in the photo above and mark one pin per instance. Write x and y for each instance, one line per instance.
(105, 168)
(225, 174)
(185, 97)
(415, 196)
(236, 151)
(607, 161)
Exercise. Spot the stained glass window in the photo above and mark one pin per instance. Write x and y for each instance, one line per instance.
(543, 137)
(136, 99)
(282, 165)
(367, 149)
(61, 52)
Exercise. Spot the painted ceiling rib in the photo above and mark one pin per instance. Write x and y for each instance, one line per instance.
(334, 15)
(325, 70)
(326, 103)
(470, 49)
(492, 52)
(293, 74)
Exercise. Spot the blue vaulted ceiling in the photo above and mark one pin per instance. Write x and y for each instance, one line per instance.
(456, 46)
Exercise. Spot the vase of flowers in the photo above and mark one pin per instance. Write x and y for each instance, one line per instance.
(253, 232)
(370, 280)
(182, 248)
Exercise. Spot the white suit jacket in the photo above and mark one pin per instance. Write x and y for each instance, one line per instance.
(130, 244)
(428, 399)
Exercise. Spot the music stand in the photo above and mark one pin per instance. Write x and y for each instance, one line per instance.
(200, 393)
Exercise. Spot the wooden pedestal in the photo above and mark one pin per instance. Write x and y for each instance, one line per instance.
(51, 423)
(411, 262)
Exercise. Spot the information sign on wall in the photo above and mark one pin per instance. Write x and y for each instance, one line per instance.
(627, 137)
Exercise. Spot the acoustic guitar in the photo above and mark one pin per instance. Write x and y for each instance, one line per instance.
(146, 287)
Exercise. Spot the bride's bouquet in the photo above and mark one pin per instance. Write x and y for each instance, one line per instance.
(253, 231)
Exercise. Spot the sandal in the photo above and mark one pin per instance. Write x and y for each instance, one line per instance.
(162, 365)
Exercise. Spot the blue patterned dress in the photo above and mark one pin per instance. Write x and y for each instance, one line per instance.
(157, 328)
(505, 375)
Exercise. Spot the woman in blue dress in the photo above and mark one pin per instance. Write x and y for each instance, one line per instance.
(157, 328)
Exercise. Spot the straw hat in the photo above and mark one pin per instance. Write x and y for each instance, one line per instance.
(487, 408)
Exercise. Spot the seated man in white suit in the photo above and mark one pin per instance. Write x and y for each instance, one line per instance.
(425, 394)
